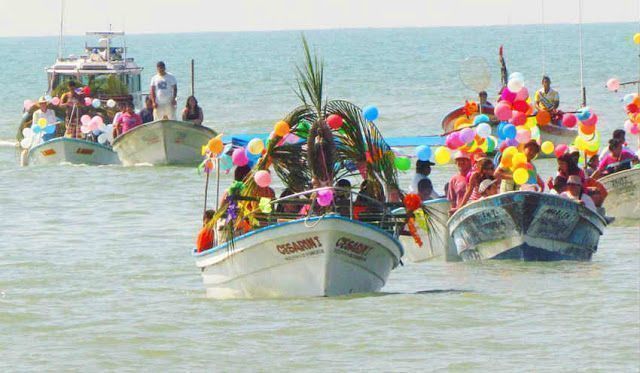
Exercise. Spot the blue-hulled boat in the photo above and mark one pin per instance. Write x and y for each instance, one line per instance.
(528, 226)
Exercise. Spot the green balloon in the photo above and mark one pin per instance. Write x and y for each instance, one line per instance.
(402, 163)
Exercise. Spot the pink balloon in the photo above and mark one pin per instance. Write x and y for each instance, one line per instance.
(591, 121)
(507, 95)
(96, 122)
(569, 120)
(239, 158)
(523, 135)
(325, 197)
(85, 120)
(627, 125)
(55, 101)
(467, 135)
(87, 101)
(560, 150)
(262, 178)
(27, 104)
(634, 130)
(522, 95)
(334, 121)
(613, 84)
(503, 112)
(291, 138)
(518, 118)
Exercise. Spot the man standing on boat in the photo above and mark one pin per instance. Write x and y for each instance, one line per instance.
(164, 89)
(546, 98)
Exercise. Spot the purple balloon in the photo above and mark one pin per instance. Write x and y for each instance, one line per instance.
(507, 95)
(467, 135)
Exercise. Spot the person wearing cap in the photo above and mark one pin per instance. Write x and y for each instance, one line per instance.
(485, 171)
(163, 93)
(488, 188)
(458, 183)
(423, 170)
(574, 192)
(43, 113)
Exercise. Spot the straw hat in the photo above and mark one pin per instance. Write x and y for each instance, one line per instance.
(42, 100)
(460, 155)
(486, 184)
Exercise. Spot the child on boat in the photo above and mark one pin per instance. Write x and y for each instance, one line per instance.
(206, 236)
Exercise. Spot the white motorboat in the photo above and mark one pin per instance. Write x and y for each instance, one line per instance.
(74, 151)
(435, 244)
(163, 142)
(326, 255)
(528, 226)
(623, 201)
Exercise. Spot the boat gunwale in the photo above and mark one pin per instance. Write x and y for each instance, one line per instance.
(160, 122)
(71, 139)
(614, 175)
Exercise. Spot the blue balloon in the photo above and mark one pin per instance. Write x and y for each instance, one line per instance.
(36, 129)
(583, 114)
(50, 129)
(628, 98)
(226, 163)
(252, 157)
(482, 118)
(500, 131)
(509, 131)
(370, 113)
(423, 152)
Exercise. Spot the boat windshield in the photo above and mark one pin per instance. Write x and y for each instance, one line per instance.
(100, 84)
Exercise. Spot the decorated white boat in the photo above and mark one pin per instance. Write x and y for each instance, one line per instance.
(623, 201)
(434, 244)
(526, 226)
(74, 151)
(325, 255)
(163, 142)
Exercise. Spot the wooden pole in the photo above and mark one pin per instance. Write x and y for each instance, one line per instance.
(193, 81)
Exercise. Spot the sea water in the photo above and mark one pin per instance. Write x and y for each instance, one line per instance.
(95, 263)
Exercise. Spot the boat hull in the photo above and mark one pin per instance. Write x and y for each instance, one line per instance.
(163, 142)
(326, 256)
(75, 151)
(526, 226)
(623, 201)
(435, 247)
(554, 133)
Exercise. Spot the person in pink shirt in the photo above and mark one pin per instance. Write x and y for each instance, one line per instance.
(611, 162)
(126, 121)
(457, 186)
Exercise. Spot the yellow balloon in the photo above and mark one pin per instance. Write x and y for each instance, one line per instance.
(281, 128)
(547, 147)
(520, 175)
(530, 123)
(509, 152)
(636, 38)
(42, 122)
(255, 146)
(442, 155)
(519, 160)
(215, 145)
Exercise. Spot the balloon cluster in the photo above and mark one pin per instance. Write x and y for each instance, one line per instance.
(97, 126)
(588, 138)
(515, 160)
(632, 107)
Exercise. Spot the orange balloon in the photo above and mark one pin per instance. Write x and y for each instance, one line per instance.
(461, 122)
(281, 128)
(587, 130)
(589, 153)
(543, 117)
(636, 101)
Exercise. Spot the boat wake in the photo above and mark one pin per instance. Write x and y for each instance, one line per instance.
(8, 143)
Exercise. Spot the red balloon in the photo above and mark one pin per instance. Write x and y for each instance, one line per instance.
(632, 108)
(569, 120)
(560, 150)
(521, 106)
(519, 118)
(334, 121)
(412, 201)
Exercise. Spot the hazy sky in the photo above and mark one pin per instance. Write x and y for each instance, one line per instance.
(41, 17)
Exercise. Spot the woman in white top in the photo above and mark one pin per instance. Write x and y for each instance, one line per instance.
(574, 192)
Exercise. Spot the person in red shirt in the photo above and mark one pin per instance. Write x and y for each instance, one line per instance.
(457, 186)
(206, 236)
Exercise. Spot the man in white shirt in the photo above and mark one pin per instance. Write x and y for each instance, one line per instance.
(164, 89)
(574, 192)
(43, 112)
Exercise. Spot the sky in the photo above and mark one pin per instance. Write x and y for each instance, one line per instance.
(42, 17)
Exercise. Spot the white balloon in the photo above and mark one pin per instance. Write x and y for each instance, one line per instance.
(516, 75)
(483, 130)
(102, 138)
(102, 127)
(85, 129)
(111, 103)
(27, 132)
(26, 142)
(515, 85)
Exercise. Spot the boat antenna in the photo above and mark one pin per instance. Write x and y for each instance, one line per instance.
(543, 36)
(60, 40)
(582, 87)
(193, 81)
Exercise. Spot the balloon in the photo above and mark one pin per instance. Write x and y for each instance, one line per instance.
(628, 98)
(86, 90)
(516, 75)
(521, 106)
(95, 103)
(520, 175)
(370, 113)
(484, 130)
(515, 85)
(334, 121)
(325, 197)
(518, 160)
(27, 104)
(412, 201)
(215, 145)
(560, 150)
(591, 121)
(587, 130)
(55, 101)
(423, 152)
(583, 113)
(632, 108)
(226, 163)
(27, 132)
(509, 131)
(111, 103)
(26, 142)
(613, 84)
(627, 125)
(102, 139)
(636, 38)
(467, 135)
(96, 122)
(262, 178)
(87, 101)
(503, 112)
(547, 147)
(402, 163)
(523, 94)
(255, 146)
(569, 120)
(523, 135)
(461, 122)
(281, 128)
(482, 118)
(85, 119)
(518, 118)
(42, 122)
(634, 130)
(442, 155)
(85, 129)
(543, 117)
(50, 129)
(507, 95)
(239, 157)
